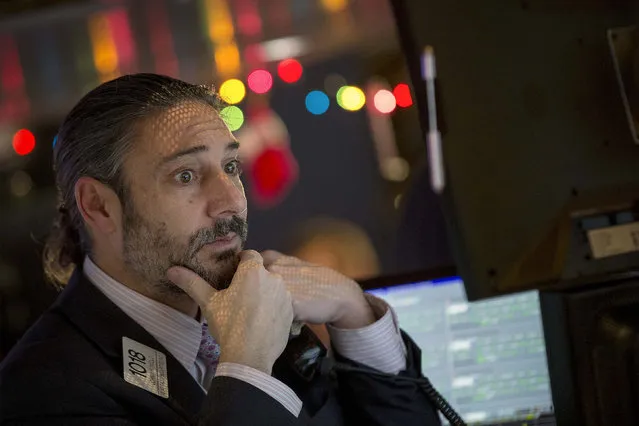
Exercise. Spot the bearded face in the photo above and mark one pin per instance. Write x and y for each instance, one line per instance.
(184, 204)
(150, 250)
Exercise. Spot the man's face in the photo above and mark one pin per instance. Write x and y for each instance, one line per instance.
(185, 204)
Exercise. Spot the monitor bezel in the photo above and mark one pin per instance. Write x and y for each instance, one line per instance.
(387, 281)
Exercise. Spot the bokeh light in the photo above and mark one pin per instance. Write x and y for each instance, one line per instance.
(260, 81)
(317, 102)
(402, 95)
(333, 82)
(232, 91)
(395, 169)
(20, 183)
(274, 170)
(227, 59)
(249, 21)
(398, 201)
(233, 117)
(334, 5)
(105, 53)
(351, 98)
(384, 101)
(254, 55)
(23, 142)
(289, 70)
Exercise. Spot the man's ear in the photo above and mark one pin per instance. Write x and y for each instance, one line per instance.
(99, 205)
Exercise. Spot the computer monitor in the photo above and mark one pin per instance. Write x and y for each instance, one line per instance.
(539, 157)
(486, 358)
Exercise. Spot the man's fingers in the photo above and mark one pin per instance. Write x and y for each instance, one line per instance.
(192, 284)
(250, 256)
(270, 256)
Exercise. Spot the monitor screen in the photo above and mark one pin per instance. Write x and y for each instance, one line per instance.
(486, 358)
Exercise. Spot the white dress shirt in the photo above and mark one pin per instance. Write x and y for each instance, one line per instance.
(378, 345)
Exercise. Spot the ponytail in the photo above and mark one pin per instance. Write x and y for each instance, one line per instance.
(62, 250)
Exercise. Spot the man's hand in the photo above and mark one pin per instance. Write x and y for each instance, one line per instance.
(321, 295)
(251, 319)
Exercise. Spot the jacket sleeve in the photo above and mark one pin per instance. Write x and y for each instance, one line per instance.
(230, 402)
(234, 402)
(72, 421)
(370, 397)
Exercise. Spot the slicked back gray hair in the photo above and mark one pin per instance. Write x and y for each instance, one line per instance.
(93, 141)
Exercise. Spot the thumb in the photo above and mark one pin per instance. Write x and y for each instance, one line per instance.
(275, 258)
(195, 286)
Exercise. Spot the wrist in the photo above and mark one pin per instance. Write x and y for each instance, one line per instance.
(356, 314)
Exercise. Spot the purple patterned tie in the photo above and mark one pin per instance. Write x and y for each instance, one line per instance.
(209, 350)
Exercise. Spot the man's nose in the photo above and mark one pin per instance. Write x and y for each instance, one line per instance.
(226, 196)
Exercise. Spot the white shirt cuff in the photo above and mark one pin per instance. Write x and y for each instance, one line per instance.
(267, 384)
(379, 345)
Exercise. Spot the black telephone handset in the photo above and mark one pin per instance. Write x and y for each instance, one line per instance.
(307, 356)
(304, 353)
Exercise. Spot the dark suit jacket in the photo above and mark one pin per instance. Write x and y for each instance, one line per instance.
(68, 370)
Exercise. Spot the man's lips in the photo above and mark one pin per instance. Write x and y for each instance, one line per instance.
(227, 241)
(228, 237)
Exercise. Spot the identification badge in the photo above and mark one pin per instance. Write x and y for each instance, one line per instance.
(145, 367)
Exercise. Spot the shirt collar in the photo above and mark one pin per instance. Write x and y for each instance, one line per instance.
(180, 334)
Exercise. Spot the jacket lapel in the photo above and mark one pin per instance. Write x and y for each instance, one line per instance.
(102, 322)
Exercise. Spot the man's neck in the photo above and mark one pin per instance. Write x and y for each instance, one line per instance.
(119, 272)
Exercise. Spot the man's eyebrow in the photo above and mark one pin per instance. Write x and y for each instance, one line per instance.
(195, 150)
(189, 151)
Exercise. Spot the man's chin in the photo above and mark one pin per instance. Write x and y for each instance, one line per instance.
(219, 260)
(229, 256)
(218, 270)
(227, 263)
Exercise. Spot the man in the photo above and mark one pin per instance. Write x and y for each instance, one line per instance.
(165, 320)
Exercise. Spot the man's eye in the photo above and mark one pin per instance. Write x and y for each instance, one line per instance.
(185, 177)
(234, 168)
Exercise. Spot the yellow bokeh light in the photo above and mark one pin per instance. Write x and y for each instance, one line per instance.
(227, 59)
(221, 30)
(105, 54)
(351, 98)
(334, 5)
(232, 91)
(220, 22)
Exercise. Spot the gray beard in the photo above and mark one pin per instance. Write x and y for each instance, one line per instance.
(150, 251)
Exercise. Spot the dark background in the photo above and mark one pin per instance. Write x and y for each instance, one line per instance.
(48, 60)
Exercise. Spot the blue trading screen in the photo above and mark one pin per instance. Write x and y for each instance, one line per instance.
(486, 358)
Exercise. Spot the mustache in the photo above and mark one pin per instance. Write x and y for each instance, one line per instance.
(221, 228)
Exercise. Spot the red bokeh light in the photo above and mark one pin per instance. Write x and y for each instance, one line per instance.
(23, 142)
(254, 55)
(290, 70)
(402, 95)
(250, 23)
(260, 81)
(273, 173)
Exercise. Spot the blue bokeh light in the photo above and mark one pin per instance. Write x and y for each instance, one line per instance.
(317, 102)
